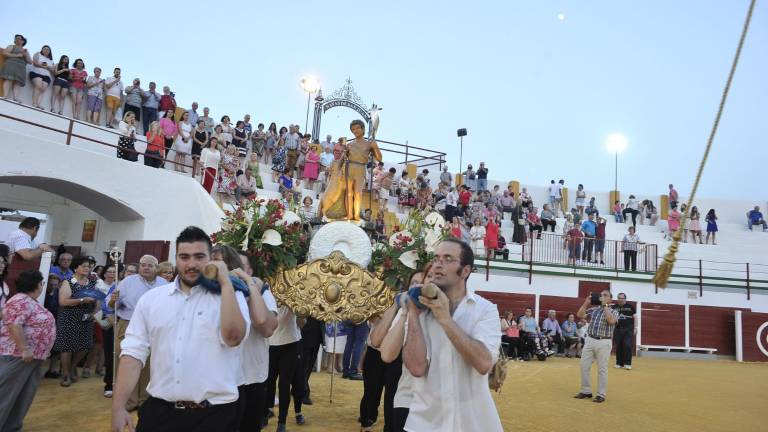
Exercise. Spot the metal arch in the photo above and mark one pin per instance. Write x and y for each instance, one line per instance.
(342, 97)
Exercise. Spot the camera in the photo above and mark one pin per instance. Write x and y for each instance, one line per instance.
(595, 299)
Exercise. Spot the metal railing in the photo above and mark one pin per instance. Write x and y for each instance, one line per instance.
(421, 157)
(558, 249)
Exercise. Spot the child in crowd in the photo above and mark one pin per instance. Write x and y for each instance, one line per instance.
(711, 225)
(253, 167)
(477, 235)
(617, 212)
(673, 221)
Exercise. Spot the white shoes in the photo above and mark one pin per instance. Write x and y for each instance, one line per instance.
(617, 366)
(628, 367)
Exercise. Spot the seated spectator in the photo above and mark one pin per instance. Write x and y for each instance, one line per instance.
(166, 271)
(551, 329)
(534, 222)
(592, 208)
(574, 217)
(534, 341)
(510, 335)
(61, 267)
(548, 218)
(307, 210)
(246, 185)
(617, 212)
(754, 217)
(21, 241)
(26, 338)
(571, 336)
(650, 213)
(501, 248)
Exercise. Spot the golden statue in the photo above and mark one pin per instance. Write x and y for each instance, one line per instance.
(344, 196)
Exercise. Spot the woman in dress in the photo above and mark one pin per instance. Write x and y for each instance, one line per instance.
(311, 166)
(694, 225)
(126, 142)
(168, 125)
(456, 227)
(491, 236)
(510, 335)
(477, 235)
(230, 163)
(271, 143)
(240, 139)
(581, 200)
(404, 191)
(518, 224)
(199, 140)
(254, 168)
(77, 78)
(74, 326)
(25, 341)
(278, 161)
(183, 144)
(61, 84)
(14, 69)
(258, 140)
(711, 225)
(40, 75)
(226, 130)
(210, 158)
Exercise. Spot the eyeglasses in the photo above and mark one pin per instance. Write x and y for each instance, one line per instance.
(445, 259)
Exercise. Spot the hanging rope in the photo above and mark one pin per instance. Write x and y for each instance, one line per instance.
(665, 269)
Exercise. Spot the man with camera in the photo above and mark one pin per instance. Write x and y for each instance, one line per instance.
(597, 346)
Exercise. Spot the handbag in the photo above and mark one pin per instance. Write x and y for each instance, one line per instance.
(521, 221)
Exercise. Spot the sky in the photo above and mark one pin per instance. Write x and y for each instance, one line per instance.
(538, 94)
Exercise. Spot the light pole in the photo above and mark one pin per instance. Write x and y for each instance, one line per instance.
(310, 85)
(461, 133)
(616, 143)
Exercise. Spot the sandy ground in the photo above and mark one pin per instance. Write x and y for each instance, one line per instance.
(657, 395)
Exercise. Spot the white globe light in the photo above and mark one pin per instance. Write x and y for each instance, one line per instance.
(616, 142)
(310, 84)
(561, 16)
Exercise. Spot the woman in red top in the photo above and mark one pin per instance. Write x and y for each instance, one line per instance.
(491, 237)
(77, 77)
(155, 146)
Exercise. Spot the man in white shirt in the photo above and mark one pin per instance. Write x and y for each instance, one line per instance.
(246, 185)
(114, 100)
(194, 336)
(450, 348)
(327, 144)
(22, 241)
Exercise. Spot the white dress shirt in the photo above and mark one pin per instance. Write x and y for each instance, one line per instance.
(190, 361)
(287, 330)
(254, 356)
(453, 396)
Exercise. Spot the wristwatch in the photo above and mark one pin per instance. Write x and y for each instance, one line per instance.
(81, 299)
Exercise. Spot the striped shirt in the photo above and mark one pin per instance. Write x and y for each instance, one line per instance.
(598, 323)
(18, 240)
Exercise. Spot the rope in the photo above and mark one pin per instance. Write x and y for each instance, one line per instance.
(665, 269)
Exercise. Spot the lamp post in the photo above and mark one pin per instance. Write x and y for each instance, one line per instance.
(310, 85)
(616, 143)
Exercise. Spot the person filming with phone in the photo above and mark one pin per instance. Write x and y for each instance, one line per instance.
(598, 344)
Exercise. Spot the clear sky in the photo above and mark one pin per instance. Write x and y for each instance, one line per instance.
(537, 94)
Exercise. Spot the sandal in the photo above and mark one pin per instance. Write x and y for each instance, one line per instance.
(65, 382)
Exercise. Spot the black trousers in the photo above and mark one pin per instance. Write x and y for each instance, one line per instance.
(251, 406)
(109, 356)
(394, 370)
(513, 346)
(399, 417)
(634, 215)
(535, 228)
(630, 260)
(624, 339)
(374, 378)
(308, 360)
(586, 251)
(548, 223)
(283, 363)
(157, 415)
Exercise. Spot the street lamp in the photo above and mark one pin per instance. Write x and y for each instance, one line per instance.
(310, 85)
(616, 143)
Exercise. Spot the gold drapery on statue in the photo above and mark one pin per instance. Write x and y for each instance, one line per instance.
(332, 289)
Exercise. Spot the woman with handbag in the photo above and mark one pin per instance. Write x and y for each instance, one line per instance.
(126, 143)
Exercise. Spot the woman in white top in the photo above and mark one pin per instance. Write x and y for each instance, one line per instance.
(392, 337)
(40, 75)
(227, 130)
(283, 363)
(183, 144)
(210, 158)
(477, 234)
(126, 148)
(581, 199)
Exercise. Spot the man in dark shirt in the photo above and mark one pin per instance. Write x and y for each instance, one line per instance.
(625, 332)
(482, 178)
